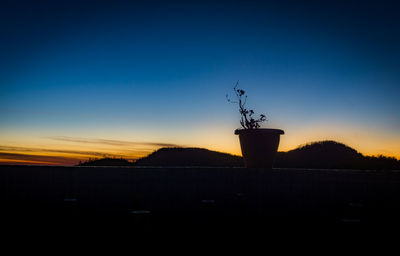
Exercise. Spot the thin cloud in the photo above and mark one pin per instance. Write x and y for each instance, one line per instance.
(112, 142)
(30, 155)
(15, 158)
(9, 150)
(43, 156)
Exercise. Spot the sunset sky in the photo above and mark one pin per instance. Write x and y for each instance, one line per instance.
(84, 79)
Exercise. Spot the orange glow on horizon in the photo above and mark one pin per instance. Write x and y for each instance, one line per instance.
(61, 159)
(25, 162)
(48, 158)
(62, 150)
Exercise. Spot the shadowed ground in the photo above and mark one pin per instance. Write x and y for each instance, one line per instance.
(154, 200)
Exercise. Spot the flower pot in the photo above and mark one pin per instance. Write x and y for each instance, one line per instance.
(259, 146)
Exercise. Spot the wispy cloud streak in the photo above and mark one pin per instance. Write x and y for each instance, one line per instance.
(9, 149)
(130, 150)
(112, 142)
(16, 158)
(30, 155)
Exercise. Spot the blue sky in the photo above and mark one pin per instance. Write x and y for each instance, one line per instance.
(159, 71)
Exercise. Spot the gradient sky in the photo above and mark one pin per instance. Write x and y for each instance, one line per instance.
(84, 79)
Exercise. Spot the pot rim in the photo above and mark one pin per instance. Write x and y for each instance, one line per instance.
(259, 130)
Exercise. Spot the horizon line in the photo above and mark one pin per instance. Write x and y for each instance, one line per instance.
(13, 155)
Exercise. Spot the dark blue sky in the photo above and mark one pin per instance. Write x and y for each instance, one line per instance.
(156, 70)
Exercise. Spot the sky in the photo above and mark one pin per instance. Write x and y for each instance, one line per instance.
(87, 79)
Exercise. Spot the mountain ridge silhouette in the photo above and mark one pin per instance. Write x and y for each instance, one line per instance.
(326, 154)
(107, 161)
(189, 157)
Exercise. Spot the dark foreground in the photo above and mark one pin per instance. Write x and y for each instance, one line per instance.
(201, 200)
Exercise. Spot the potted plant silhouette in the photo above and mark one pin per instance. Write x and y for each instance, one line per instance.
(259, 145)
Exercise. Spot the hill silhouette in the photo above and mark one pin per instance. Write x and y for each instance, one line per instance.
(189, 157)
(107, 161)
(320, 155)
(332, 155)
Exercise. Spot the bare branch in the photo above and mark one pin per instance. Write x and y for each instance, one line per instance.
(247, 122)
